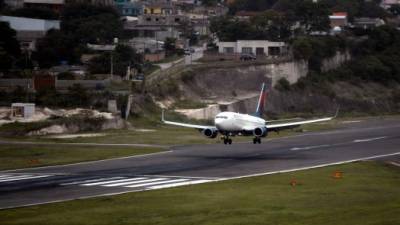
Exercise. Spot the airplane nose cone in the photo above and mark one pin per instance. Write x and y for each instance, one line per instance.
(218, 123)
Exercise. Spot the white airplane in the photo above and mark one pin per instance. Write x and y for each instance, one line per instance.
(231, 124)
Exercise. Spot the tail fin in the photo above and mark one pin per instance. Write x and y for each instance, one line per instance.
(261, 101)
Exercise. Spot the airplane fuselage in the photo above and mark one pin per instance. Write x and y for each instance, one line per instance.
(237, 122)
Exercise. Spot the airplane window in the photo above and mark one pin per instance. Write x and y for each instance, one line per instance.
(221, 117)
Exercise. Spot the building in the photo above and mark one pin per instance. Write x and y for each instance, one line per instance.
(386, 4)
(129, 7)
(160, 8)
(257, 47)
(55, 5)
(29, 30)
(338, 19)
(93, 2)
(24, 110)
(14, 4)
(367, 23)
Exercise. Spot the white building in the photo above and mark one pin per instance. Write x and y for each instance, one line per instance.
(257, 47)
(24, 110)
(14, 3)
(29, 30)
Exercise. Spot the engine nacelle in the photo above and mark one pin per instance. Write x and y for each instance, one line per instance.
(210, 133)
(260, 132)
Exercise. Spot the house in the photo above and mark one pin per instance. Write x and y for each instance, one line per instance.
(14, 4)
(386, 4)
(30, 30)
(245, 15)
(338, 19)
(129, 7)
(367, 23)
(55, 5)
(160, 8)
(257, 47)
(93, 2)
(24, 110)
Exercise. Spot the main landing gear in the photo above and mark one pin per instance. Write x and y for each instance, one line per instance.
(227, 140)
(256, 140)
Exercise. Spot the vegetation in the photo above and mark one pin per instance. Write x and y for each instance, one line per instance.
(9, 47)
(75, 96)
(24, 156)
(34, 12)
(80, 24)
(170, 48)
(367, 194)
(122, 57)
(375, 59)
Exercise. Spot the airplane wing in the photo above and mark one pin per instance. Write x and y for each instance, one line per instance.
(288, 125)
(282, 126)
(200, 127)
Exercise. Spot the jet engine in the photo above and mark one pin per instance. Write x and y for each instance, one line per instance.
(210, 133)
(260, 132)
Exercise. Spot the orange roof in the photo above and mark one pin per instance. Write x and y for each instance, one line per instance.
(339, 14)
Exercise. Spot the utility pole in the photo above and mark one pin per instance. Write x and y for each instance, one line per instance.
(115, 43)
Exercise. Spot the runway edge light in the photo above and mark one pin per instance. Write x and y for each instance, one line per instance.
(337, 174)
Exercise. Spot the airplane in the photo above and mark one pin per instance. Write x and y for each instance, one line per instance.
(230, 124)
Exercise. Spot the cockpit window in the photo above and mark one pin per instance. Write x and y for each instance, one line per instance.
(221, 117)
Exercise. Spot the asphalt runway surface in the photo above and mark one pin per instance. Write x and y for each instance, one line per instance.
(374, 139)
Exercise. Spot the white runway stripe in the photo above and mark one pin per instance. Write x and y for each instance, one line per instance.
(15, 177)
(177, 184)
(93, 180)
(2, 176)
(113, 181)
(22, 177)
(157, 182)
(134, 182)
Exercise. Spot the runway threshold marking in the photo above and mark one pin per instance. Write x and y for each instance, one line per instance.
(17, 177)
(141, 182)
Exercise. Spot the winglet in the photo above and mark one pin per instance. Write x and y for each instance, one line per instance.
(337, 112)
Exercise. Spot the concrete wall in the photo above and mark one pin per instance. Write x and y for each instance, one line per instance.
(28, 24)
(335, 61)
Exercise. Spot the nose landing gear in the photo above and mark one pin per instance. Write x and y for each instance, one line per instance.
(256, 140)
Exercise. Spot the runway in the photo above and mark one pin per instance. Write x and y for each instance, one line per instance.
(195, 164)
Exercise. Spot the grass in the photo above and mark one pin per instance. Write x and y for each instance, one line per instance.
(368, 194)
(169, 59)
(23, 156)
(166, 135)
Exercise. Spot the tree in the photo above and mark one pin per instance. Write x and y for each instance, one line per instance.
(56, 47)
(91, 23)
(395, 10)
(170, 46)
(2, 5)
(272, 25)
(302, 48)
(209, 2)
(35, 12)
(9, 47)
(8, 40)
(313, 16)
(251, 5)
(78, 96)
(123, 56)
